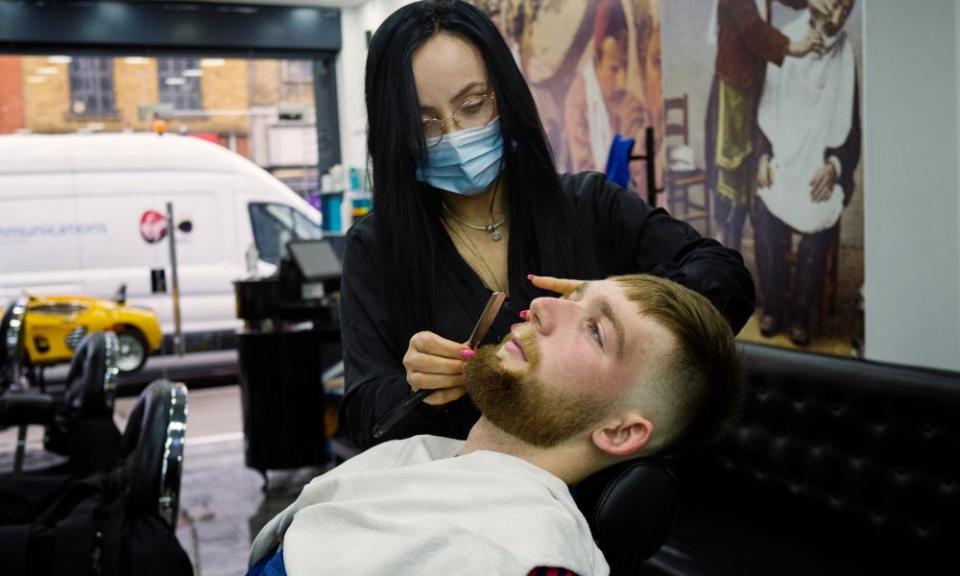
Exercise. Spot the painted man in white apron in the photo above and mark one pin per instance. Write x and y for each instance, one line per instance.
(810, 146)
(746, 43)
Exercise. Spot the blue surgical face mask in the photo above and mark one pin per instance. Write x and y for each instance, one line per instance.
(464, 162)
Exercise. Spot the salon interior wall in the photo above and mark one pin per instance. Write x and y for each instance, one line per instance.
(351, 62)
(912, 145)
(911, 79)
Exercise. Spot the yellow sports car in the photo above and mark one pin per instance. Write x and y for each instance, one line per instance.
(54, 326)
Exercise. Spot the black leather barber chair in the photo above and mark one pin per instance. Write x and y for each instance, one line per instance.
(835, 467)
(152, 451)
(79, 425)
(630, 508)
(116, 522)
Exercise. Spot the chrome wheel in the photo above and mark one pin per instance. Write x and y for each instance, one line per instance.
(132, 353)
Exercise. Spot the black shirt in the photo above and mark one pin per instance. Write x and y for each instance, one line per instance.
(629, 237)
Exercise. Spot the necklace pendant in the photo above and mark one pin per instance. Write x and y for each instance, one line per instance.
(496, 235)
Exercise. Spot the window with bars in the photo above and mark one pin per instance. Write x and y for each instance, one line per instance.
(91, 86)
(179, 80)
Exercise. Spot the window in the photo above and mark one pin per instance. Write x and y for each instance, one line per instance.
(296, 71)
(91, 86)
(276, 224)
(296, 80)
(179, 80)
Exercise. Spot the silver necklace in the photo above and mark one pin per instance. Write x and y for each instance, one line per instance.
(468, 244)
(493, 228)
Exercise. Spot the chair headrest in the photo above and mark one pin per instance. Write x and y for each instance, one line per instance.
(86, 378)
(630, 508)
(152, 450)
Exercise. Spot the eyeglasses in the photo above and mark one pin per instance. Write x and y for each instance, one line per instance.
(474, 111)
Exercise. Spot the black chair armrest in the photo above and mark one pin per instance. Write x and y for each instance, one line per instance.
(26, 408)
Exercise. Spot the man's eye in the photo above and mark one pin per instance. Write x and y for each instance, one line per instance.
(596, 333)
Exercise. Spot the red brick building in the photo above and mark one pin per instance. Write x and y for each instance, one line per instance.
(11, 95)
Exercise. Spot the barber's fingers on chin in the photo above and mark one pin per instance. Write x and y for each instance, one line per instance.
(430, 343)
(419, 362)
(562, 286)
(445, 396)
(422, 380)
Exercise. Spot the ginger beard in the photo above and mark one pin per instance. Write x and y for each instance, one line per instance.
(521, 405)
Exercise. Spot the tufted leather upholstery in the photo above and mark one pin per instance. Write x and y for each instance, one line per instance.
(837, 465)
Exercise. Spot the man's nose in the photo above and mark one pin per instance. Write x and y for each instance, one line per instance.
(547, 314)
(837, 17)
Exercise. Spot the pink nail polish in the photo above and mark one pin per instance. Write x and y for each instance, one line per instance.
(530, 276)
(524, 314)
(468, 354)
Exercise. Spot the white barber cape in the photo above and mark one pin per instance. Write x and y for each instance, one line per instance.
(806, 108)
(410, 507)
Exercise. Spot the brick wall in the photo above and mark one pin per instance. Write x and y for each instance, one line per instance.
(47, 103)
(224, 88)
(269, 89)
(134, 85)
(265, 82)
(11, 94)
(46, 106)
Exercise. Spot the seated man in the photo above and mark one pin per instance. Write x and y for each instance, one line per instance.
(622, 368)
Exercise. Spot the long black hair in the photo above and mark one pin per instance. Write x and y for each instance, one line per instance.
(407, 212)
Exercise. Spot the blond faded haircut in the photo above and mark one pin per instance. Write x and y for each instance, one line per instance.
(702, 380)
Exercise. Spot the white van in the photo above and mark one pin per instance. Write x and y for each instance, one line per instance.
(84, 213)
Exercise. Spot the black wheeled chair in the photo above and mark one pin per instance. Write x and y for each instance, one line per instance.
(110, 507)
(78, 425)
(119, 521)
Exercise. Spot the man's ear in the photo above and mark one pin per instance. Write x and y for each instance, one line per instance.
(623, 436)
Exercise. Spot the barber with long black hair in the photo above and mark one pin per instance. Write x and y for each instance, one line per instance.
(466, 200)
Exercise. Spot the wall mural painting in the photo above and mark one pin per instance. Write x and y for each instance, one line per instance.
(756, 111)
(772, 93)
(594, 70)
